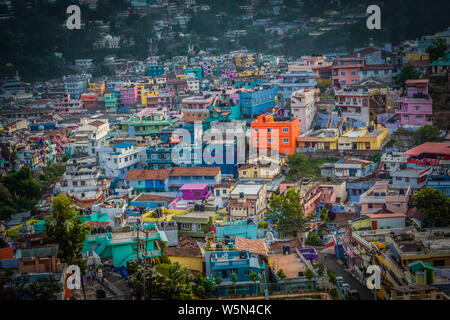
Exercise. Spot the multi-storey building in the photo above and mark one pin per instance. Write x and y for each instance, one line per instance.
(346, 71)
(257, 101)
(353, 104)
(89, 136)
(146, 124)
(415, 108)
(385, 196)
(247, 201)
(68, 105)
(75, 85)
(270, 128)
(303, 107)
(197, 108)
(294, 81)
(128, 94)
(116, 160)
(111, 102)
(89, 101)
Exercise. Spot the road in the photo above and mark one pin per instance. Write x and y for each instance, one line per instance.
(339, 270)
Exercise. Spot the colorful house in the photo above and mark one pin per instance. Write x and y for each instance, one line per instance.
(241, 229)
(147, 180)
(257, 101)
(187, 253)
(275, 133)
(122, 247)
(191, 193)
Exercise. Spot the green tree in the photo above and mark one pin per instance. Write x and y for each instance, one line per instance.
(434, 206)
(287, 213)
(19, 287)
(218, 280)
(234, 279)
(313, 239)
(253, 276)
(7, 204)
(331, 277)
(281, 274)
(67, 230)
(324, 215)
(427, 133)
(408, 72)
(174, 282)
(437, 49)
(310, 275)
(24, 189)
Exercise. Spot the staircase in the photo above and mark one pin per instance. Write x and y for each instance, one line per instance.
(99, 250)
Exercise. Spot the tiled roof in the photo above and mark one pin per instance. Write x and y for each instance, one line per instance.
(430, 147)
(194, 171)
(254, 246)
(187, 247)
(96, 123)
(142, 174)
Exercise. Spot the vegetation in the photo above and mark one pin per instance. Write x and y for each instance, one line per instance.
(163, 281)
(313, 239)
(286, 212)
(408, 72)
(427, 133)
(324, 215)
(437, 49)
(263, 224)
(302, 167)
(67, 230)
(434, 206)
(281, 274)
(331, 277)
(20, 288)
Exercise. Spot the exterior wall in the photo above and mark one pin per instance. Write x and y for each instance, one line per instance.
(286, 140)
(304, 108)
(191, 263)
(254, 103)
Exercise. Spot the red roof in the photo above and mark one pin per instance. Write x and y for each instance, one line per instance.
(141, 174)
(442, 148)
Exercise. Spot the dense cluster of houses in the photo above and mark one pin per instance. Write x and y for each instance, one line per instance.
(118, 138)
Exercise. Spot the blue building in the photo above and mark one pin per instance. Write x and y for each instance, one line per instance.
(224, 264)
(257, 101)
(234, 229)
(440, 182)
(355, 189)
(155, 70)
(159, 157)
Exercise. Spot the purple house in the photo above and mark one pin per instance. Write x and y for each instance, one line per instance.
(309, 254)
(414, 108)
(191, 192)
(128, 94)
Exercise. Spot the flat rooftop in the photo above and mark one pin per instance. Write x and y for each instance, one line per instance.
(247, 189)
(291, 264)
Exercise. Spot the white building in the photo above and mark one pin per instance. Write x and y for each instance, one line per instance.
(353, 104)
(75, 85)
(303, 107)
(90, 135)
(117, 160)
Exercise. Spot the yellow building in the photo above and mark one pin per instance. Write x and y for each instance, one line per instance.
(97, 87)
(253, 171)
(417, 56)
(187, 253)
(249, 73)
(244, 60)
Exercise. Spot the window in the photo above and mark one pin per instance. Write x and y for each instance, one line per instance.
(224, 191)
(285, 140)
(244, 173)
(270, 130)
(270, 140)
(185, 226)
(197, 193)
(343, 73)
(285, 130)
(353, 73)
(217, 192)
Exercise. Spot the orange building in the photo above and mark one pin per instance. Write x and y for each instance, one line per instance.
(275, 133)
(89, 101)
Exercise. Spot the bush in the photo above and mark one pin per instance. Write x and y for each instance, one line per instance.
(313, 240)
(263, 225)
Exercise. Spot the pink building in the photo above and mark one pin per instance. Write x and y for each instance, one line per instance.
(128, 94)
(346, 71)
(196, 108)
(67, 105)
(191, 193)
(415, 108)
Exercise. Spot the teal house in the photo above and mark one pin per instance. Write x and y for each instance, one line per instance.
(122, 247)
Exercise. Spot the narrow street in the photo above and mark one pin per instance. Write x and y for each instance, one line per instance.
(339, 270)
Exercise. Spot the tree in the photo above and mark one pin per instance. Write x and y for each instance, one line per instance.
(437, 49)
(20, 288)
(331, 277)
(234, 279)
(434, 206)
(324, 215)
(67, 230)
(309, 274)
(24, 189)
(253, 276)
(427, 133)
(281, 274)
(313, 240)
(174, 282)
(218, 280)
(287, 213)
(7, 204)
(408, 72)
